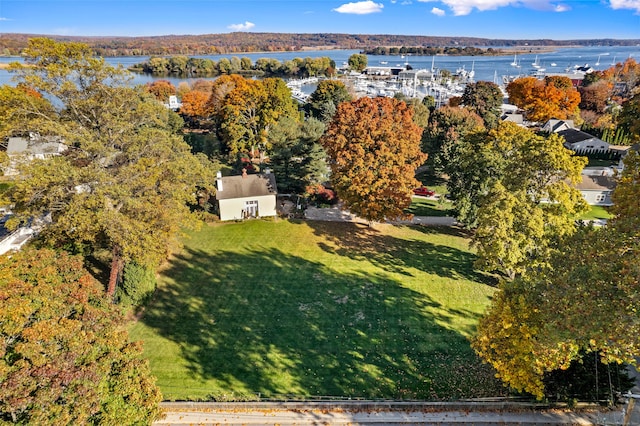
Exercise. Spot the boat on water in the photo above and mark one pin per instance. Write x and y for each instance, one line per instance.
(535, 63)
(515, 61)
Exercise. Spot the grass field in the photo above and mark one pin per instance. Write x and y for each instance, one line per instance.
(311, 309)
(596, 212)
(428, 207)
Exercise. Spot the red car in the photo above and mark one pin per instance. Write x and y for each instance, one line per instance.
(424, 191)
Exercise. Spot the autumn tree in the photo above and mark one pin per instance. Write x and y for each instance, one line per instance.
(195, 105)
(244, 111)
(542, 100)
(126, 181)
(595, 97)
(515, 188)
(12, 101)
(584, 301)
(323, 102)
(161, 89)
(484, 98)
(66, 358)
(374, 148)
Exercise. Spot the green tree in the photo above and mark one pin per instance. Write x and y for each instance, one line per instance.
(323, 102)
(65, 357)
(516, 188)
(629, 119)
(484, 98)
(447, 126)
(374, 148)
(357, 62)
(127, 179)
(297, 158)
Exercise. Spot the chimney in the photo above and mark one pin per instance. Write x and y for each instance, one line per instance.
(219, 181)
(244, 173)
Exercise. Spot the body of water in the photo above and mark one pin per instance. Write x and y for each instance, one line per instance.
(486, 68)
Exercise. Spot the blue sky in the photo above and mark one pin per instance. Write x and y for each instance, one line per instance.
(519, 19)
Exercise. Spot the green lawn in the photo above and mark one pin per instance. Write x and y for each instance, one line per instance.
(596, 212)
(427, 207)
(308, 309)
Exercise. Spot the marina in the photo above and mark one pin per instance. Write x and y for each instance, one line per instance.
(417, 76)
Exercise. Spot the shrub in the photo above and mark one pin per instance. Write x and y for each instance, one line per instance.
(138, 284)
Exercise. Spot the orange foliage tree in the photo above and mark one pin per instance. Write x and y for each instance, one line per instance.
(374, 148)
(553, 97)
(65, 357)
(194, 104)
(161, 89)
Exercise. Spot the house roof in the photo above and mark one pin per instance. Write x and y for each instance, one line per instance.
(596, 183)
(555, 125)
(574, 136)
(17, 145)
(247, 186)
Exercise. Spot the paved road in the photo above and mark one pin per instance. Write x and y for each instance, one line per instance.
(340, 417)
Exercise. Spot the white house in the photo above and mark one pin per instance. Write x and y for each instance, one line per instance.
(554, 125)
(597, 185)
(582, 142)
(246, 196)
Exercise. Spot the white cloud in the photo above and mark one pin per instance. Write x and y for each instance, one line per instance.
(625, 4)
(465, 7)
(242, 27)
(406, 2)
(360, 8)
(437, 11)
(4, 19)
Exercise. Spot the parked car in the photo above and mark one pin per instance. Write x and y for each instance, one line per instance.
(423, 190)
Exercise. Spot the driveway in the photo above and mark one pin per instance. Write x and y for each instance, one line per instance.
(336, 214)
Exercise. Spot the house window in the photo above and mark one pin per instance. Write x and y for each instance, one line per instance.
(250, 208)
(600, 198)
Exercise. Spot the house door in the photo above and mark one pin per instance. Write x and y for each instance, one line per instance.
(251, 208)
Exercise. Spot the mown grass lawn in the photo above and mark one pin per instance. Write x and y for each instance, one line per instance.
(596, 212)
(422, 206)
(309, 309)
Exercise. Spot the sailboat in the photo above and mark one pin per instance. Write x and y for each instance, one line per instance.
(515, 60)
(535, 63)
(614, 61)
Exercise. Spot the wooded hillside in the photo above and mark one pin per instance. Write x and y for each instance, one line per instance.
(207, 44)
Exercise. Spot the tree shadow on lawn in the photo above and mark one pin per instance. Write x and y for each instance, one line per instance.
(394, 254)
(273, 324)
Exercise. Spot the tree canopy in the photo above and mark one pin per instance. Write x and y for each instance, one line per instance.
(515, 188)
(64, 358)
(374, 148)
(484, 98)
(357, 62)
(324, 100)
(542, 100)
(245, 110)
(126, 180)
(584, 300)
